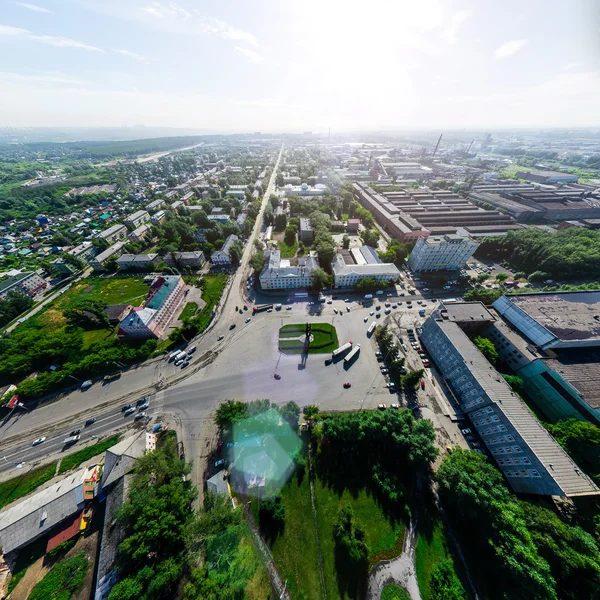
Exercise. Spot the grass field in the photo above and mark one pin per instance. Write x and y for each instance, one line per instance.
(189, 310)
(432, 547)
(325, 338)
(394, 592)
(16, 488)
(74, 460)
(287, 251)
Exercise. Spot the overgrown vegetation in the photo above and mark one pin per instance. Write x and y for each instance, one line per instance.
(62, 581)
(12, 306)
(20, 486)
(74, 460)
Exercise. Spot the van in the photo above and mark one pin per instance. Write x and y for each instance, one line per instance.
(278, 307)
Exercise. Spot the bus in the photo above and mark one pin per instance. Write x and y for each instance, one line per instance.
(261, 308)
(301, 294)
(341, 350)
(371, 328)
(352, 354)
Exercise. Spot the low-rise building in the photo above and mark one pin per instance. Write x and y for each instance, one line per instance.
(84, 251)
(138, 262)
(152, 318)
(114, 233)
(278, 274)
(441, 253)
(98, 262)
(306, 231)
(137, 218)
(353, 225)
(219, 218)
(139, 234)
(348, 275)
(158, 217)
(221, 257)
(155, 205)
(305, 190)
(193, 260)
(28, 284)
(62, 267)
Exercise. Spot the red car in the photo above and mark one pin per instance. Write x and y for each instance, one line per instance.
(422, 384)
(347, 384)
(277, 376)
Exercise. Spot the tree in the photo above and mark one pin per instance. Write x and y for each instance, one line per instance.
(87, 313)
(322, 279)
(310, 411)
(487, 348)
(280, 222)
(235, 252)
(290, 235)
(326, 252)
(367, 284)
(581, 440)
(229, 413)
(482, 277)
(501, 277)
(274, 200)
(538, 276)
(444, 584)
(350, 537)
(291, 413)
(371, 237)
(346, 242)
(411, 379)
(483, 295)
(257, 261)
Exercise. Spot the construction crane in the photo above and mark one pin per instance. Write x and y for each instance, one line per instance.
(469, 148)
(437, 145)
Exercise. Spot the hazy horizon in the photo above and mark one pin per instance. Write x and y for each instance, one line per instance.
(349, 66)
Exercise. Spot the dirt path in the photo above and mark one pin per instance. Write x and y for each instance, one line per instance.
(400, 570)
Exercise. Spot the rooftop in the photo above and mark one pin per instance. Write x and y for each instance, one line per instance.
(160, 289)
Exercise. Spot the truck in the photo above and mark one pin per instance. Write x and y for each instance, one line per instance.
(261, 308)
(352, 354)
(371, 328)
(180, 355)
(338, 352)
(173, 355)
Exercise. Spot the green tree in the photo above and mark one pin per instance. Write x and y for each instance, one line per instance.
(235, 252)
(346, 242)
(487, 348)
(483, 295)
(257, 261)
(280, 222)
(326, 252)
(291, 413)
(581, 440)
(290, 235)
(322, 279)
(444, 584)
(230, 412)
(538, 276)
(501, 277)
(371, 237)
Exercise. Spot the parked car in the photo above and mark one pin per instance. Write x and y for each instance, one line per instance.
(422, 384)
(248, 320)
(232, 326)
(347, 384)
(381, 406)
(466, 431)
(75, 432)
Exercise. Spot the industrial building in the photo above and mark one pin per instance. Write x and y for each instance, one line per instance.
(528, 456)
(279, 274)
(547, 177)
(28, 284)
(448, 252)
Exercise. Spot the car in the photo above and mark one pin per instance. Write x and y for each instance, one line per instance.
(38, 441)
(469, 438)
(449, 449)
(248, 320)
(387, 304)
(220, 338)
(75, 432)
(372, 313)
(191, 350)
(142, 401)
(185, 364)
(129, 411)
(378, 307)
(403, 371)
(144, 406)
(422, 354)
(475, 445)
(390, 295)
(347, 300)
(366, 319)
(126, 407)
(426, 363)
(378, 353)
(288, 308)
(426, 290)
(396, 406)
(277, 376)
(380, 359)
(394, 306)
(378, 315)
(348, 308)
(179, 362)
(466, 431)
(335, 311)
(388, 311)
(269, 310)
(381, 406)
(328, 361)
(232, 326)
(140, 416)
(385, 371)
(329, 301)
(90, 422)
(71, 440)
(245, 307)
(392, 388)
(422, 384)
(347, 384)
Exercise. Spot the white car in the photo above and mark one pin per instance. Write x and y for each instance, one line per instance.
(220, 338)
(366, 319)
(247, 320)
(269, 310)
(39, 441)
(348, 308)
(372, 313)
(288, 308)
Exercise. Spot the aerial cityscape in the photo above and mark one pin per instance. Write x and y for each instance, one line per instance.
(337, 340)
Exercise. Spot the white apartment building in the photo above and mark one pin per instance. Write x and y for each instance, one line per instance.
(116, 232)
(279, 275)
(221, 257)
(349, 275)
(137, 218)
(441, 253)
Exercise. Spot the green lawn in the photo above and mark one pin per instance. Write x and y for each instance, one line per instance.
(94, 336)
(188, 311)
(112, 290)
(394, 592)
(325, 338)
(432, 547)
(16, 488)
(74, 460)
(287, 251)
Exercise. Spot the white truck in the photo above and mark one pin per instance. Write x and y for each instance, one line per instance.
(371, 328)
(352, 354)
(342, 350)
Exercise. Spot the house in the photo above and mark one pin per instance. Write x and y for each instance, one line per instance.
(152, 318)
(221, 257)
(62, 267)
(115, 312)
(353, 225)
(98, 262)
(137, 218)
(218, 484)
(116, 232)
(139, 262)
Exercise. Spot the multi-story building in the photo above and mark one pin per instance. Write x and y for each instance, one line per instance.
(152, 318)
(306, 231)
(278, 274)
(193, 260)
(139, 262)
(528, 456)
(137, 218)
(98, 262)
(348, 274)
(28, 284)
(155, 205)
(441, 253)
(158, 217)
(187, 198)
(62, 267)
(114, 233)
(221, 257)
(84, 251)
(305, 190)
(137, 235)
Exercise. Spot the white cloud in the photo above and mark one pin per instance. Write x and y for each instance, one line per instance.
(509, 48)
(51, 40)
(51, 78)
(162, 11)
(250, 54)
(229, 32)
(450, 32)
(133, 55)
(33, 7)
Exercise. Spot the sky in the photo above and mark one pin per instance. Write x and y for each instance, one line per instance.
(262, 65)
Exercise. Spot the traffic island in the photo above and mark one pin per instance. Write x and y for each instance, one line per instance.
(308, 338)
